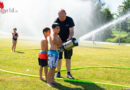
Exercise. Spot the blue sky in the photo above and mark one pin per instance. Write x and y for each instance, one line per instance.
(113, 4)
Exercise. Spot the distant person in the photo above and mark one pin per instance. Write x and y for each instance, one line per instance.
(53, 54)
(14, 39)
(66, 33)
(43, 56)
(93, 38)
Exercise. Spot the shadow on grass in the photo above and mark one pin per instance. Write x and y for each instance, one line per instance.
(86, 86)
(36, 49)
(19, 52)
(33, 49)
(61, 87)
(30, 49)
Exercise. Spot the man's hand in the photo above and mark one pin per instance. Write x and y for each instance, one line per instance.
(69, 38)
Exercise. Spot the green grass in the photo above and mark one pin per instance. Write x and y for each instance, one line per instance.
(26, 58)
(115, 35)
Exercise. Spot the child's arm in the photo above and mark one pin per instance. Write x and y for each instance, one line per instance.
(12, 34)
(42, 45)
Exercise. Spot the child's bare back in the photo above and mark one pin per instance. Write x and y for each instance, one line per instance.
(44, 45)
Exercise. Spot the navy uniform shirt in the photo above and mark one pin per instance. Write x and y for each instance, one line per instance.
(64, 28)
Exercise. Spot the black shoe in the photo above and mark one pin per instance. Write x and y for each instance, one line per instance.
(58, 75)
(70, 76)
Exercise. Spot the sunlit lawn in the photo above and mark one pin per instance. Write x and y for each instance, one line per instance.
(24, 60)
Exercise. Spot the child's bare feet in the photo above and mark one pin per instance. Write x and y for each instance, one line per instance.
(41, 79)
(50, 84)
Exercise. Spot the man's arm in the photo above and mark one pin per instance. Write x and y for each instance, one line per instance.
(71, 30)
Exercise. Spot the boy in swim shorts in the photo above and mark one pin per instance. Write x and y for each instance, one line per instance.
(53, 54)
(43, 56)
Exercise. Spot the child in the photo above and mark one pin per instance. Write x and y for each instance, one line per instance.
(43, 57)
(53, 54)
(14, 39)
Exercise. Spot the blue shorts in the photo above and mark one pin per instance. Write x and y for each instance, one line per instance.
(53, 57)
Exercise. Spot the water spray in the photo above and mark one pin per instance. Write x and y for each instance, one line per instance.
(86, 36)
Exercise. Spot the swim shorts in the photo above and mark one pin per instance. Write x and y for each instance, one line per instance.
(53, 57)
(43, 59)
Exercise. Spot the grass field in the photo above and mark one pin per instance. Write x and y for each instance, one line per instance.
(115, 38)
(24, 60)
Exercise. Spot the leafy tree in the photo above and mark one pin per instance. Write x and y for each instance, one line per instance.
(107, 16)
(124, 9)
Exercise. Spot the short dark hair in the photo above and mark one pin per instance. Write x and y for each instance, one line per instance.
(14, 28)
(54, 25)
(46, 29)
